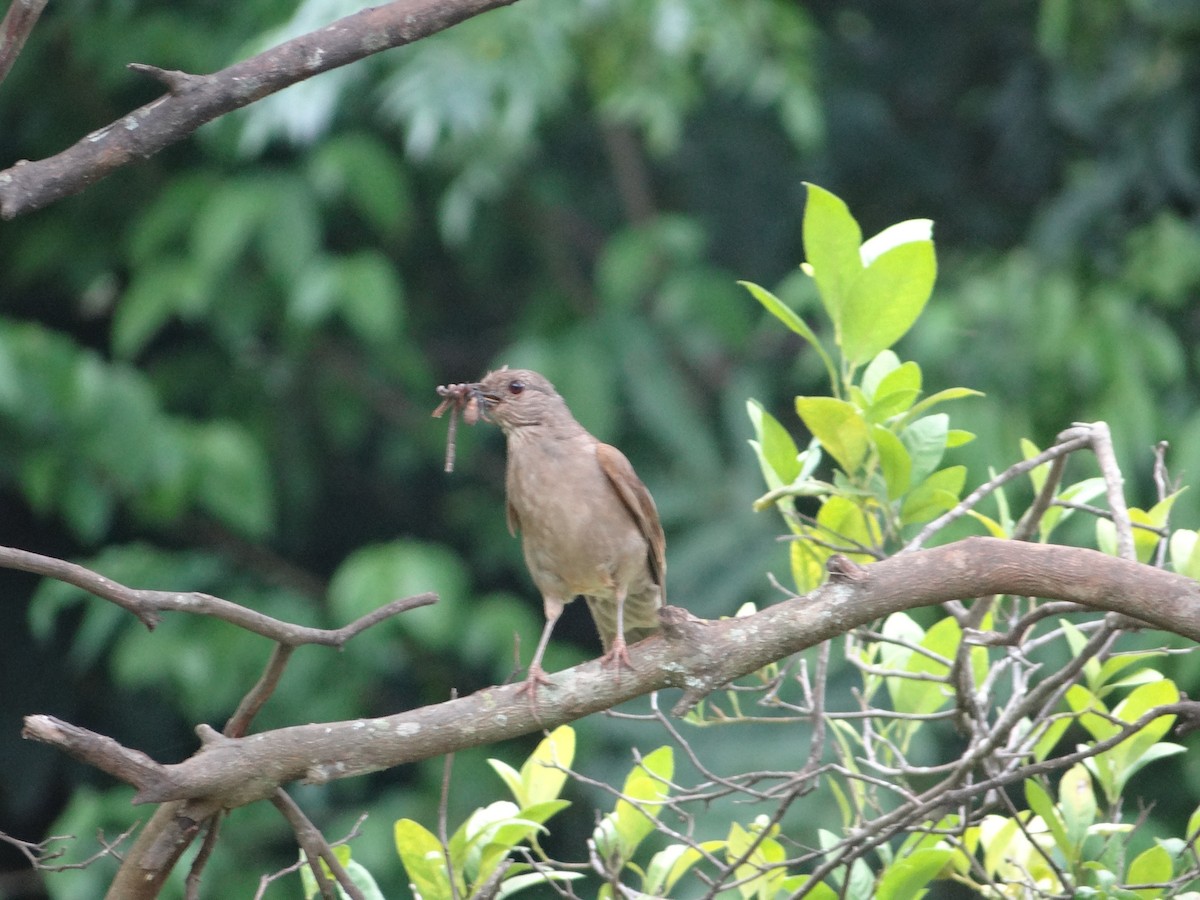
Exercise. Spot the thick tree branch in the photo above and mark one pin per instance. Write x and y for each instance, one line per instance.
(196, 99)
(694, 655)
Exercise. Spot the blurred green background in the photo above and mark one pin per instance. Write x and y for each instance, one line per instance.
(217, 366)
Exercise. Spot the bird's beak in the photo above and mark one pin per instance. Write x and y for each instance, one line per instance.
(485, 401)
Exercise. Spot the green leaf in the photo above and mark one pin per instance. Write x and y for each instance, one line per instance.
(839, 426)
(672, 863)
(540, 812)
(1085, 704)
(366, 172)
(906, 878)
(919, 696)
(164, 290)
(544, 772)
(379, 573)
(884, 363)
(933, 400)
(894, 461)
(423, 859)
(784, 314)
(821, 891)
(1078, 803)
(495, 843)
(937, 494)
(1185, 553)
(844, 521)
(232, 477)
(1076, 640)
(1050, 736)
(515, 883)
(1144, 542)
(646, 787)
(357, 872)
(511, 777)
(1118, 662)
(1193, 828)
(926, 442)
(362, 290)
(762, 870)
(226, 222)
(832, 240)
(886, 299)
(994, 528)
(1151, 866)
(1140, 748)
(1040, 802)
(777, 452)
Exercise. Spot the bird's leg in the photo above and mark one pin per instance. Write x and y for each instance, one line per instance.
(536, 675)
(618, 653)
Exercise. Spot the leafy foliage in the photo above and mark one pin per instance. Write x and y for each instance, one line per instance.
(215, 367)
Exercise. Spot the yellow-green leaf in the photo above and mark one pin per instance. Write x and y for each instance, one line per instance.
(886, 299)
(544, 773)
(423, 859)
(840, 428)
(832, 240)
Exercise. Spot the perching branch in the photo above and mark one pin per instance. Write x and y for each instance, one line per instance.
(692, 654)
(193, 100)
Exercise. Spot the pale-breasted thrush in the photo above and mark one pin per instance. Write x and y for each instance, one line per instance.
(588, 525)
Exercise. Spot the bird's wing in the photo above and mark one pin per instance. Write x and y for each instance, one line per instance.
(640, 505)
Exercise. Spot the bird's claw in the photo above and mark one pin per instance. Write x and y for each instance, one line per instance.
(533, 680)
(618, 655)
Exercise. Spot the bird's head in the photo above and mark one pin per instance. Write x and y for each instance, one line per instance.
(518, 398)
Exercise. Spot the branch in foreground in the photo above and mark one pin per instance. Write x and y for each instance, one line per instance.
(196, 99)
(691, 654)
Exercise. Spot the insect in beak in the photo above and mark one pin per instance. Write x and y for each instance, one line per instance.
(466, 398)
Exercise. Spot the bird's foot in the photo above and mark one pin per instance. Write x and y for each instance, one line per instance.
(618, 655)
(533, 680)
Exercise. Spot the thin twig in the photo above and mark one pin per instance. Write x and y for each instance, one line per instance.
(443, 811)
(267, 880)
(315, 848)
(1069, 441)
(39, 853)
(239, 723)
(1027, 528)
(211, 833)
(1114, 483)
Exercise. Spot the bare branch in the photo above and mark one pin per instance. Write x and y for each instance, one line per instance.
(1068, 442)
(22, 15)
(266, 880)
(316, 849)
(147, 604)
(1114, 483)
(196, 99)
(107, 755)
(43, 855)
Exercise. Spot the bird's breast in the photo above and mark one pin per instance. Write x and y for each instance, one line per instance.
(577, 535)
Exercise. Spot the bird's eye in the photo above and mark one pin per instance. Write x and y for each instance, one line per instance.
(516, 387)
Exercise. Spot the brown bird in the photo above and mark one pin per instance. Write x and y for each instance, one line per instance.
(588, 525)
